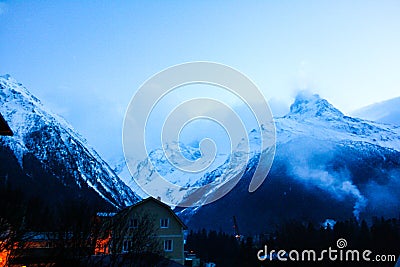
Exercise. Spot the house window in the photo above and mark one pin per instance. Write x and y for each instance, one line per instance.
(164, 223)
(168, 245)
(133, 223)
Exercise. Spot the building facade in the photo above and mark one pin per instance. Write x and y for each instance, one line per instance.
(148, 226)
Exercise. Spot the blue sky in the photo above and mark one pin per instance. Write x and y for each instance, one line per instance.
(86, 59)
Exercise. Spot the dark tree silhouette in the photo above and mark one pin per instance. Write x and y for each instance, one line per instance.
(130, 242)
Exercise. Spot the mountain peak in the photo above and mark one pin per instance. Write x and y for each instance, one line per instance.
(41, 136)
(307, 104)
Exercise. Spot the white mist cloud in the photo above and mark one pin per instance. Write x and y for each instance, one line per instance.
(338, 185)
(310, 168)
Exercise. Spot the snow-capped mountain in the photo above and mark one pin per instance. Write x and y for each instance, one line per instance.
(315, 117)
(327, 165)
(224, 169)
(312, 122)
(48, 140)
(386, 112)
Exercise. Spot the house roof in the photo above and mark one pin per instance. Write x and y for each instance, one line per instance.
(4, 128)
(159, 203)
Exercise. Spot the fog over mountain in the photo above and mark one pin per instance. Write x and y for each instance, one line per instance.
(327, 166)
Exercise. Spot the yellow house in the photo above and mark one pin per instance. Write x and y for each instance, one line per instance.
(148, 226)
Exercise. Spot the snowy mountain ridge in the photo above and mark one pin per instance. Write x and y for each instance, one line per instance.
(327, 166)
(316, 117)
(385, 112)
(310, 118)
(52, 141)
